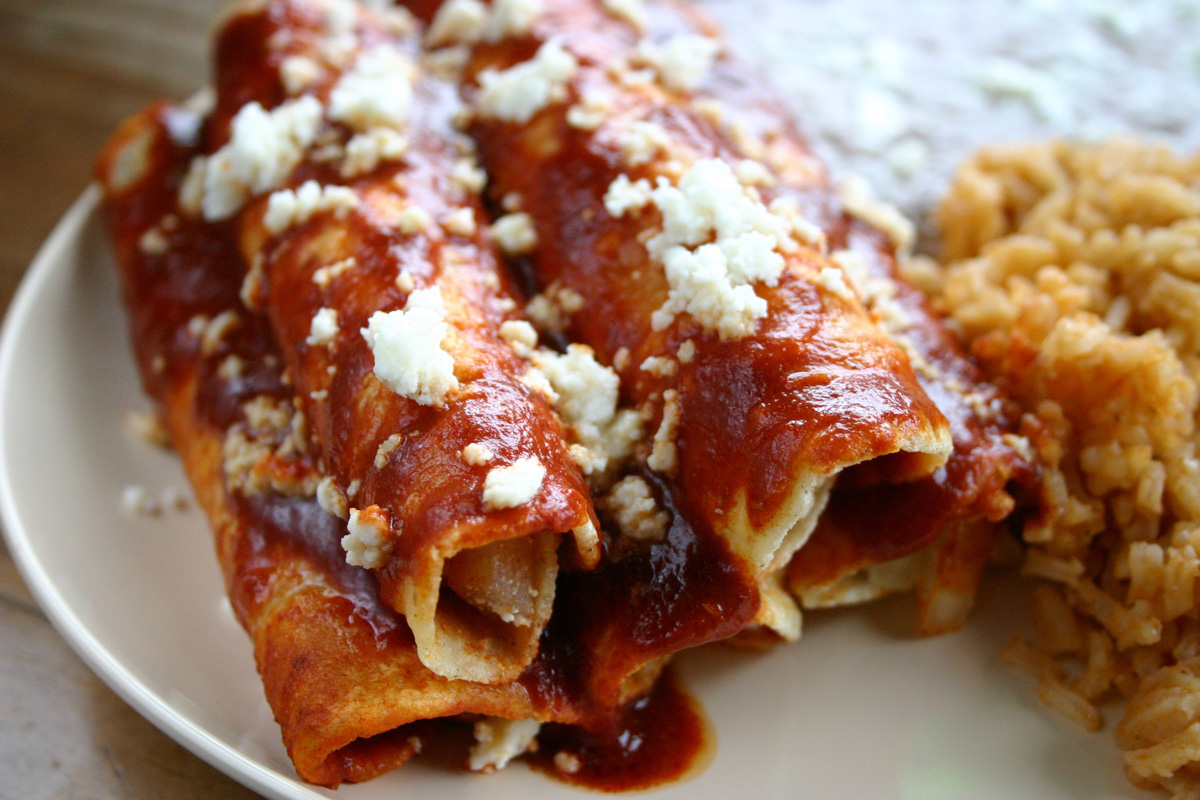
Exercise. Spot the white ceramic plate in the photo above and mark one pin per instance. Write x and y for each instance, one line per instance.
(857, 710)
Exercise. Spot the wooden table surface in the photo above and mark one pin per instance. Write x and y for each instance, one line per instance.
(70, 70)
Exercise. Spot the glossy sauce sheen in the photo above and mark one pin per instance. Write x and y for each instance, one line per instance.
(201, 273)
(658, 739)
(429, 497)
(440, 493)
(869, 519)
(814, 388)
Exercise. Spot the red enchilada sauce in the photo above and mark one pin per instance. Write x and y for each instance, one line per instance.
(661, 738)
(657, 738)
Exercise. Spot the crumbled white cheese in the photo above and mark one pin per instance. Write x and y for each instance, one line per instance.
(385, 449)
(148, 427)
(515, 234)
(298, 73)
(447, 64)
(366, 151)
(287, 208)
(407, 346)
(375, 92)
(753, 173)
(517, 93)
(624, 195)
(215, 331)
(660, 366)
(632, 11)
(594, 106)
(460, 222)
(735, 239)
(476, 454)
(550, 309)
(877, 292)
(643, 141)
(686, 352)
(664, 455)
(511, 18)
(331, 499)
(263, 148)
(856, 195)
(832, 280)
(536, 381)
(231, 368)
(405, 281)
(266, 414)
(635, 511)
(469, 175)
(621, 359)
(323, 276)
(567, 763)
(152, 242)
(789, 210)
(457, 22)
(498, 741)
(324, 328)
(196, 325)
(587, 402)
(413, 219)
(683, 61)
(136, 501)
(520, 336)
(259, 453)
(634, 78)
(368, 543)
(514, 485)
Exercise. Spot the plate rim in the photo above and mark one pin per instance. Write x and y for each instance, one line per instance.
(61, 614)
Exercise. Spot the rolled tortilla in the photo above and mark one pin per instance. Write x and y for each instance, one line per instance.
(342, 671)
(761, 373)
(357, 205)
(877, 537)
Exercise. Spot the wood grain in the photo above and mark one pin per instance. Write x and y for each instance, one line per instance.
(70, 70)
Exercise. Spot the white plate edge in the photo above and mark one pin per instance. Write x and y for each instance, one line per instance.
(98, 658)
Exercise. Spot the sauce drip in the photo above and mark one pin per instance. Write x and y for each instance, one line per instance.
(662, 738)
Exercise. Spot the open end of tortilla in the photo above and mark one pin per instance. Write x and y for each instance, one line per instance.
(478, 615)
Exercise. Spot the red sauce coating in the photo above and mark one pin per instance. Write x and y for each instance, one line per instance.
(349, 414)
(201, 274)
(814, 388)
(661, 738)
